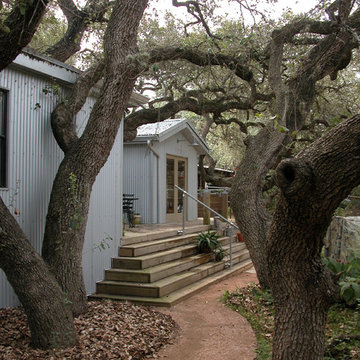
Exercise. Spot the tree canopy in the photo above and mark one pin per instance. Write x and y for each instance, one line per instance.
(273, 81)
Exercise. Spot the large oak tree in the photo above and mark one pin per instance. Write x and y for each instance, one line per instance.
(50, 317)
(257, 77)
(289, 261)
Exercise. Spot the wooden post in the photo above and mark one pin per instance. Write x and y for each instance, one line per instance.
(206, 212)
(224, 204)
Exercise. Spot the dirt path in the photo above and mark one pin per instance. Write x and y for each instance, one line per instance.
(208, 329)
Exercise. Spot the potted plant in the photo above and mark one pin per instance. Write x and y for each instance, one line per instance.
(137, 218)
(239, 237)
(219, 253)
(207, 242)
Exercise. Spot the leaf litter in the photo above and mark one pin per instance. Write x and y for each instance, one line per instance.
(109, 330)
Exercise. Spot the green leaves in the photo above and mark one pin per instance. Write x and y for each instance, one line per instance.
(349, 272)
(23, 4)
(207, 242)
(350, 291)
(280, 128)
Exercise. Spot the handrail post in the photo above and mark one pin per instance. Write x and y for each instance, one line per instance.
(231, 225)
(206, 211)
(229, 233)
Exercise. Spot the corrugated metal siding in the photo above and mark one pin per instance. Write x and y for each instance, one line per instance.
(105, 219)
(33, 159)
(139, 178)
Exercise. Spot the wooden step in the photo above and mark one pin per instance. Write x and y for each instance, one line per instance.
(151, 235)
(153, 259)
(149, 247)
(162, 270)
(156, 272)
(182, 293)
(169, 284)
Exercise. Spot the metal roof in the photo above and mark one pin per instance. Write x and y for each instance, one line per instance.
(162, 130)
(159, 128)
(32, 61)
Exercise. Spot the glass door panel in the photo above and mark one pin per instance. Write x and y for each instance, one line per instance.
(181, 176)
(170, 186)
(176, 174)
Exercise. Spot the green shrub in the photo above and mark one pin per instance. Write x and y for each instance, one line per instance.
(219, 253)
(349, 277)
(207, 242)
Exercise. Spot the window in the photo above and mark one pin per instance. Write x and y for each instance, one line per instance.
(3, 115)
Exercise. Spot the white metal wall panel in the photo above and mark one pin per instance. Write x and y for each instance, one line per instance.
(33, 160)
(183, 149)
(33, 157)
(105, 218)
(139, 179)
(145, 176)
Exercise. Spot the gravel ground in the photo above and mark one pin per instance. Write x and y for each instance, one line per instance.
(110, 330)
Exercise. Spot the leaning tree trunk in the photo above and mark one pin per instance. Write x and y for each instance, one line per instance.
(49, 316)
(84, 157)
(247, 196)
(312, 186)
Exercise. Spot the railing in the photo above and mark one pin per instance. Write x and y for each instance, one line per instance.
(230, 227)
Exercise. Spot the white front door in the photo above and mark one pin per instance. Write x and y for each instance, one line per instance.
(176, 174)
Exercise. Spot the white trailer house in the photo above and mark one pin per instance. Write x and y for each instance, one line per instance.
(161, 156)
(30, 156)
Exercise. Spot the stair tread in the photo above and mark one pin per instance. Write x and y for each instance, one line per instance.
(163, 252)
(159, 241)
(171, 263)
(156, 254)
(175, 277)
(184, 292)
(148, 236)
(159, 267)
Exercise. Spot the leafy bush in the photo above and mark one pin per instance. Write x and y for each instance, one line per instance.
(207, 242)
(349, 280)
(219, 253)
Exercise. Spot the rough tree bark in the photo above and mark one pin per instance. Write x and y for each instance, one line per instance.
(84, 157)
(17, 30)
(247, 198)
(78, 20)
(293, 100)
(312, 185)
(49, 318)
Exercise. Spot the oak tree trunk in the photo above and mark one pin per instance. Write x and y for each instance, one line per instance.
(247, 196)
(48, 314)
(312, 186)
(84, 157)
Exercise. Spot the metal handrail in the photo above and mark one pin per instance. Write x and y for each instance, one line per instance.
(230, 223)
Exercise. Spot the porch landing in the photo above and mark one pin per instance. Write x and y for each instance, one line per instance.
(157, 266)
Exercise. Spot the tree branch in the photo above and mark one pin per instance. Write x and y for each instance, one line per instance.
(62, 117)
(18, 28)
(188, 103)
(79, 20)
(201, 59)
(193, 8)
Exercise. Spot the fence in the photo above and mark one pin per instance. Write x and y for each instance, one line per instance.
(219, 201)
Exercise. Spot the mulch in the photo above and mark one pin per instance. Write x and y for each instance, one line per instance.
(109, 330)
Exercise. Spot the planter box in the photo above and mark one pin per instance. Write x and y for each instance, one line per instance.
(137, 219)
